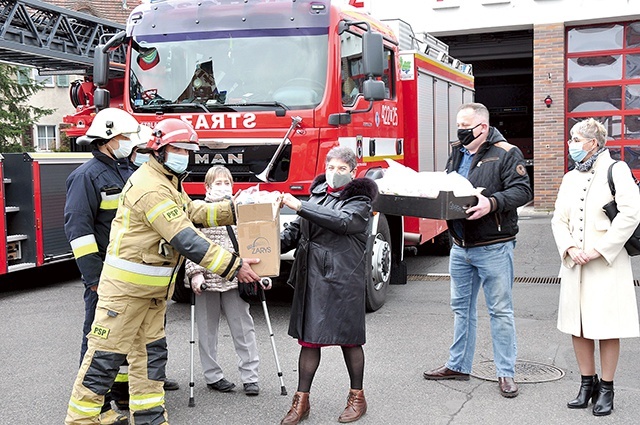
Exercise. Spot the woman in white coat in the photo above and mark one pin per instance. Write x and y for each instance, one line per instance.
(597, 298)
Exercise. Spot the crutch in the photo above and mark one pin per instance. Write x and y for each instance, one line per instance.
(192, 343)
(267, 282)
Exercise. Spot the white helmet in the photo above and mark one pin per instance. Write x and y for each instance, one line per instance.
(111, 122)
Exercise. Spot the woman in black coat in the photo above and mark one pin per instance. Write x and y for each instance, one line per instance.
(329, 276)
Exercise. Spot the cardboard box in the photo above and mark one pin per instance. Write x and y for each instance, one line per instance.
(446, 206)
(259, 236)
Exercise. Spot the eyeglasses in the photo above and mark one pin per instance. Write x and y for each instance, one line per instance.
(576, 139)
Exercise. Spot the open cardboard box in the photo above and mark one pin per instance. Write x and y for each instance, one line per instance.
(446, 206)
(259, 236)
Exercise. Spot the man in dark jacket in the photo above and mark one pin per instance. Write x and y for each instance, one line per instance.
(482, 254)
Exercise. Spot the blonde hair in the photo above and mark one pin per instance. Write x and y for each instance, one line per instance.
(216, 171)
(591, 129)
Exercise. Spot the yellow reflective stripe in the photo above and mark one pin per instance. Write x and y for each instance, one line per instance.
(109, 202)
(84, 245)
(141, 274)
(122, 377)
(137, 278)
(144, 269)
(84, 408)
(158, 209)
(126, 215)
(212, 215)
(146, 401)
(213, 266)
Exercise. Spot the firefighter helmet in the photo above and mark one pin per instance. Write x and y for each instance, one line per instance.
(112, 122)
(174, 132)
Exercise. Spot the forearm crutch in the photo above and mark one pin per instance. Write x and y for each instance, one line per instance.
(192, 343)
(263, 300)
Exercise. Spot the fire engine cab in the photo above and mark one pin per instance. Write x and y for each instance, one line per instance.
(271, 85)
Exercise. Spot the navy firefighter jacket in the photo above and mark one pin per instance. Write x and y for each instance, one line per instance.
(93, 190)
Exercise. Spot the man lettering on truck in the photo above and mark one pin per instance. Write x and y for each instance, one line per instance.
(92, 198)
(152, 230)
(482, 253)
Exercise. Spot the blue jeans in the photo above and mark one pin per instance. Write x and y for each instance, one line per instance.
(489, 267)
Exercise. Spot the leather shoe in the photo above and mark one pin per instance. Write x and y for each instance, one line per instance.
(171, 385)
(444, 372)
(508, 387)
(222, 385)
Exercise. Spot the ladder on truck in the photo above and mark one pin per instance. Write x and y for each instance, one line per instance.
(56, 41)
(53, 39)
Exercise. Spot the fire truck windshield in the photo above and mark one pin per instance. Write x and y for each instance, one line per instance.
(234, 72)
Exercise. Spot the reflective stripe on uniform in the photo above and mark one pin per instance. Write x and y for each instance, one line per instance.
(159, 209)
(84, 245)
(109, 202)
(140, 274)
(126, 214)
(146, 401)
(123, 374)
(212, 215)
(84, 408)
(213, 266)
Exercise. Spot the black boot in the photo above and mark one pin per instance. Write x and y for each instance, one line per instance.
(604, 405)
(589, 389)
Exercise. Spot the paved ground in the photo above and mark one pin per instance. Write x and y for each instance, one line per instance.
(39, 338)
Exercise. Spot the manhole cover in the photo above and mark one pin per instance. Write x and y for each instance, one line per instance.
(526, 372)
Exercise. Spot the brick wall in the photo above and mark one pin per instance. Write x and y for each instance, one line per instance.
(548, 123)
(111, 10)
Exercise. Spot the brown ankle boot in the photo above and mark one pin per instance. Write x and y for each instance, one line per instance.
(299, 409)
(356, 407)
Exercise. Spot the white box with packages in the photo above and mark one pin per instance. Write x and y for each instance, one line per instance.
(258, 220)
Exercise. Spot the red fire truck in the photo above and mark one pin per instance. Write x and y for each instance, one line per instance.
(272, 85)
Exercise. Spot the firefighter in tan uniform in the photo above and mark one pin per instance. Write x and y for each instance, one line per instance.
(152, 231)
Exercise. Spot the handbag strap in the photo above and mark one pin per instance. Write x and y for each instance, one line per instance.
(612, 187)
(234, 240)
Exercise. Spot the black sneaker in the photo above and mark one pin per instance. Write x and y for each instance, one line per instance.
(171, 385)
(251, 388)
(222, 385)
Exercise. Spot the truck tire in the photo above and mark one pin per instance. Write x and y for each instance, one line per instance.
(380, 266)
(440, 246)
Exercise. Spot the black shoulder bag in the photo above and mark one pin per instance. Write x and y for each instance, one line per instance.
(247, 290)
(611, 210)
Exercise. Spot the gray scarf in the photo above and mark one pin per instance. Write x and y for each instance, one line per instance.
(586, 166)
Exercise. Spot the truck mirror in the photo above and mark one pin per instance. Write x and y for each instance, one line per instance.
(100, 66)
(372, 54)
(101, 99)
(374, 90)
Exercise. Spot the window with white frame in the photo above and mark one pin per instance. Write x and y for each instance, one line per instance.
(46, 135)
(24, 75)
(62, 80)
(45, 80)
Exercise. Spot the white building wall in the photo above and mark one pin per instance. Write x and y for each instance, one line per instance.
(450, 17)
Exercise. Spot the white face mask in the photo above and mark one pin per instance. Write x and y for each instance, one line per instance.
(124, 150)
(176, 162)
(219, 192)
(140, 159)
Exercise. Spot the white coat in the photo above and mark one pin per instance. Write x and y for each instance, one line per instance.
(597, 298)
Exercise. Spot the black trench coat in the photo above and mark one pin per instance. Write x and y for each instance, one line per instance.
(329, 270)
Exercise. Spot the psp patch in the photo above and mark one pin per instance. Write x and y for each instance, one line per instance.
(100, 331)
(172, 214)
(521, 170)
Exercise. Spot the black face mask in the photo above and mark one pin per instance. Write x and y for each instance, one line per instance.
(465, 135)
